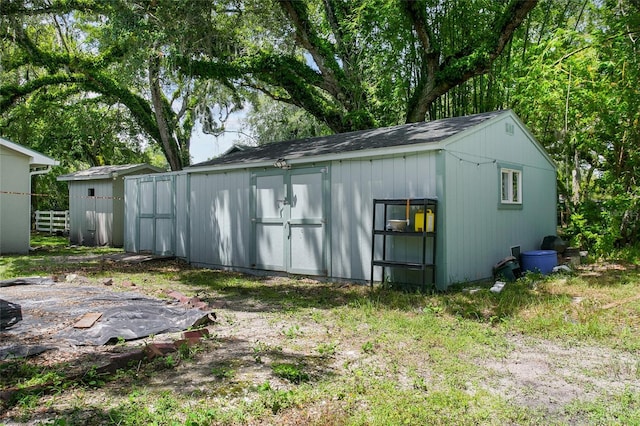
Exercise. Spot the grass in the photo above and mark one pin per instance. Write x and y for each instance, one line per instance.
(337, 355)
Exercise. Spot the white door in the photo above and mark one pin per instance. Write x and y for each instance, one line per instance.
(289, 220)
(156, 218)
(268, 222)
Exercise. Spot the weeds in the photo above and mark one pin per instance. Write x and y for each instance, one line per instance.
(291, 372)
(327, 349)
(376, 357)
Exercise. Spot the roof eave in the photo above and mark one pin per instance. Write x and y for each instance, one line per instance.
(36, 159)
(111, 175)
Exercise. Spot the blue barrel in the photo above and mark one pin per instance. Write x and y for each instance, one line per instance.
(542, 261)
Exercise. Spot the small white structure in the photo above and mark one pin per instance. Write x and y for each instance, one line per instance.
(17, 165)
(96, 203)
(307, 206)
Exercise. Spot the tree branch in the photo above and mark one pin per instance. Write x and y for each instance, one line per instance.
(468, 61)
(18, 8)
(9, 94)
(320, 50)
(166, 140)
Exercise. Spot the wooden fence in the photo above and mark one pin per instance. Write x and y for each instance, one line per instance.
(52, 221)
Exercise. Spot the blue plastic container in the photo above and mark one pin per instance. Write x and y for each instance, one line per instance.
(542, 261)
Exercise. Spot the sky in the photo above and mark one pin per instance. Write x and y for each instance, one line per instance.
(205, 147)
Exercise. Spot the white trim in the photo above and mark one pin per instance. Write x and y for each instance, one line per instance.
(78, 176)
(36, 159)
(510, 173)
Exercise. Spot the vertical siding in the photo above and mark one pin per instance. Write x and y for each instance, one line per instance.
(15, 205)
(478, 232)
(162, 201)
(117, 234)
(354, 185)
(163, 215)
(131, 187)
(104, 212)
(181, 218)
(91, 212)
(219, 219)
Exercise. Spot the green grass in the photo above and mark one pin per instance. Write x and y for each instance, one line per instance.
(373, 357)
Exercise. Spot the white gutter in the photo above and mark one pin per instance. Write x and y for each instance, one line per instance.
(40, 171)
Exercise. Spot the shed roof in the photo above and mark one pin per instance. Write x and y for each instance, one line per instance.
(110, 172)
(406, 134)
(36, 159)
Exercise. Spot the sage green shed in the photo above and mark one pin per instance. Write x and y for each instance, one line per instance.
(17, 165)
(306, 206)
(96, 203)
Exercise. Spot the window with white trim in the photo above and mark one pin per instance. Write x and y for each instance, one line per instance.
(511, 186)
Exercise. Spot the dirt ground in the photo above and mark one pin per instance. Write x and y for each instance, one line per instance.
(536, 373)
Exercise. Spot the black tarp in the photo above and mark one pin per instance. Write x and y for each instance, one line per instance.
(40, 313)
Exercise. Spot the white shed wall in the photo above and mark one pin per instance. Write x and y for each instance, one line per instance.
(91, 218)
(354, 185)
(131, 211)
(182, 216)
(220, 223)
(15, 209)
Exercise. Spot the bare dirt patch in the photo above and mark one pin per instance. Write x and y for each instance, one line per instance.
(546, 375)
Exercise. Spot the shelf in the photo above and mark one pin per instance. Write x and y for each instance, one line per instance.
(426, 265)
(408, 265)
(404, 233)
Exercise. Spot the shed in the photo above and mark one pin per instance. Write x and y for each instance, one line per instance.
(307, 206)
(96, 203)
(17, 165)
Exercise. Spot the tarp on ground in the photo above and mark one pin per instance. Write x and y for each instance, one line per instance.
(40, 314)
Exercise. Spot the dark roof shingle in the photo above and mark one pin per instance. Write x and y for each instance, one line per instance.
(406, 134)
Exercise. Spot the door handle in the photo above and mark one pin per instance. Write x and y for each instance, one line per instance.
(285, 201)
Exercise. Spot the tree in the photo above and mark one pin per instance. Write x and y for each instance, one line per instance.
(272, 121)
(110, 52)
(360, 64)
(574, 78)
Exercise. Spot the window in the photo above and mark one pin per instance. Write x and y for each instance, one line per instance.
(91, 192)
(511, 186)
(508, 128)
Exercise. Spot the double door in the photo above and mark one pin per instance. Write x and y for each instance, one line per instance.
(156, 223)
(289, 220)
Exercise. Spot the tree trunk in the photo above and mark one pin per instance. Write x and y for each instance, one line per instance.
(575, 178)
(168, 143)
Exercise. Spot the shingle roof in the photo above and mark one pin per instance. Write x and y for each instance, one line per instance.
(406, 134)
(108, 172)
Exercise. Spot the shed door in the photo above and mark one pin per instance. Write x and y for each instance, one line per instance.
(290, 226)
(156, 202)
(269, 220)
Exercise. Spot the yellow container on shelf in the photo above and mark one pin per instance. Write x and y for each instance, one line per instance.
(418, 222)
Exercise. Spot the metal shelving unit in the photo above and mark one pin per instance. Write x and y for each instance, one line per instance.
(427, 264)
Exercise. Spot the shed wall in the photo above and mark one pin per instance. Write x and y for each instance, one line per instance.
(480, 232)
(213, 224)
(91, 218)
(131, 211)
(15, 206)
(182, 216)
(220, 222)
(156, 214)
(117, 233)
(354, 185)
